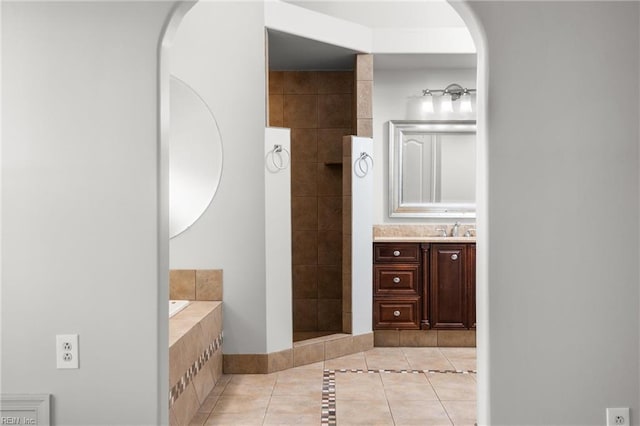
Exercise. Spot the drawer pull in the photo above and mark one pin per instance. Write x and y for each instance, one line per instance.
(396, 313)
(454, 257)
(396, 280)
(396, 253)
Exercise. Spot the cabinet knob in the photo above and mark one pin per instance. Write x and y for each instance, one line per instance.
(396, 280)
(396, 253)
(454, 257)
(396, 313)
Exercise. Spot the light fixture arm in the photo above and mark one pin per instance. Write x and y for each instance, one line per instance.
(454, 90)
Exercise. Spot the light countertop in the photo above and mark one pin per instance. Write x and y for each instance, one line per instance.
(423, 239)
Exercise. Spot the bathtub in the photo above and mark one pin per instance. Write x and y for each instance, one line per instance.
(176, 306)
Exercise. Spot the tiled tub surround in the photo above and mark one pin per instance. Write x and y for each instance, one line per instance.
(195, 284)
(423, 338)
(195, 358)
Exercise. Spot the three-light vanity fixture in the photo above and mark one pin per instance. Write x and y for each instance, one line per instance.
(451, 93)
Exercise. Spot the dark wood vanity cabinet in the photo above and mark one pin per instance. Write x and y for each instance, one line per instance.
(424, 286)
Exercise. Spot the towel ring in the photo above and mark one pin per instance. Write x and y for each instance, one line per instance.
(362, 163)
(280, 165)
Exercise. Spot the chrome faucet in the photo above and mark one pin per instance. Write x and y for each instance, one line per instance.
(454, 230)
(469, 232)
(443, 231)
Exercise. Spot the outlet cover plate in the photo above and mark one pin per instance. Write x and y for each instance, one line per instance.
(618, 417)
(67, 351)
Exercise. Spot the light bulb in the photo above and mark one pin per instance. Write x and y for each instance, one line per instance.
(427, 104)
(446, 105)
(465, 102)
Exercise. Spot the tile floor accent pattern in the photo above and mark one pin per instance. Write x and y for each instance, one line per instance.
(384, 386)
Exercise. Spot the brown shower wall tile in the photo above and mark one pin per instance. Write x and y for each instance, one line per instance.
(335, 82)
(276, 83)
(301, 111)
(305, 278)
(276, 110)
(305, 314)
(329, 248)
(330, 144)
(304, 213)
(330, 314)
(329, 180)
(300, 82)
(329, 282)
(334, 111)
(304, 145)
(329, 213)
(319, 109)
(305, 248)
(304, 179)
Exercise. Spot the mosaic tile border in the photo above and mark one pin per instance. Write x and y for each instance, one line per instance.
(328, 415)
(192, 371)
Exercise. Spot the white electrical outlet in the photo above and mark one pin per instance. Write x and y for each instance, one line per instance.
(618, 417)
(67, 351)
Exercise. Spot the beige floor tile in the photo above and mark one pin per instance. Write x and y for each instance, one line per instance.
(208, 404)
(369, 413)
(348, 362)
(463, 364)
(314, 366)
(461, 413)
(386, 359)
(459, 353)
(254, 379)
(199, 419)
(241, 404)
(453, 387)
(292, 419)
(241, 389)
(405, 387)
(294, 376)
(234, 419)
(294, 405)
(430, 413)
(306, 389)
(359, 386)
(427, 359)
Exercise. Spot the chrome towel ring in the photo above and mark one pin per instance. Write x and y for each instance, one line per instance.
(361, 164)
(280, 163)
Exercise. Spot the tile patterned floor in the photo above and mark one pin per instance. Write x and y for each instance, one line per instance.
(383, 386)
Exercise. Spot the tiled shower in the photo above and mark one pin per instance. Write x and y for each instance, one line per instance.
(318, 108)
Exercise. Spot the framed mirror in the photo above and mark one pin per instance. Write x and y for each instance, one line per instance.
(195, 157)
(432, 169)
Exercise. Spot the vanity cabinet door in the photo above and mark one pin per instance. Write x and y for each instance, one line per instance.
(448, 286)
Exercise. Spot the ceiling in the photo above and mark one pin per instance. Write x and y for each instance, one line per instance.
(288, 52)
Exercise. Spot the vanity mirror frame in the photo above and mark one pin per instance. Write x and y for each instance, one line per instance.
(397, 206)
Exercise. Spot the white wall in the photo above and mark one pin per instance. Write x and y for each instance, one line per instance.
(80, 245)
(225, 63)
(395, 92)
(562, 248)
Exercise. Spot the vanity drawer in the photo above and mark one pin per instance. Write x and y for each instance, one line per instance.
(393, 314)
(396, 280)
(396, 253)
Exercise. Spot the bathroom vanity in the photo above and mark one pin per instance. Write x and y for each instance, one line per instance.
(424, 284)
